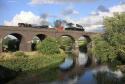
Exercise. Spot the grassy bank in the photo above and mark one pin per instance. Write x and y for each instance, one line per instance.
(33, 64)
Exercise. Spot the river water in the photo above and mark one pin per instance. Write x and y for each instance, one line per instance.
(80, 74)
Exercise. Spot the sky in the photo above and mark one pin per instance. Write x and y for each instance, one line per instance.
(89, 13)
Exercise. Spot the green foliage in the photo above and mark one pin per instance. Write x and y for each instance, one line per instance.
(82, 42)
(66, 42)
(48, 46)
(103, 51)
(115, 24)
(115, 38)
(20, 54)
(121, 53)
(32, 64)
(115, 34)
(111, 46)
(17, 64)
(115, 29)
(107, 78)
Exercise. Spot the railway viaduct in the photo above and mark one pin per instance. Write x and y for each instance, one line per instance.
(26, 34)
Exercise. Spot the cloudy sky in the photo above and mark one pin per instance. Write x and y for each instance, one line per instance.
(89, 13)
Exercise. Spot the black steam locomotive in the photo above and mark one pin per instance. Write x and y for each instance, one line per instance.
(77, 27)
(33, 26)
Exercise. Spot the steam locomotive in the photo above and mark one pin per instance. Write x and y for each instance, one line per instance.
(33, 26)
(77, 27)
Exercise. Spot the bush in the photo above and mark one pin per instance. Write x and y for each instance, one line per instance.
(48, 46)
(107, 78)
(121, 53)
(65, 42)
(115, 34)
(32, 64)
(103, 51)
(20, 54)
(82, 42)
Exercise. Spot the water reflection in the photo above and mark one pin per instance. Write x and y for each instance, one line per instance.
(97, 75)
(89, 75)
(82, 58)
(67, 64)
(87, 78)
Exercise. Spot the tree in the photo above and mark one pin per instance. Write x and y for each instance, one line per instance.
(115, 24)
(103, 51)
(48, 46)
(115, 29)
(66, 42)
(115, 34)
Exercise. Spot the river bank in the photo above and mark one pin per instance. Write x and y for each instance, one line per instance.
(30, 63)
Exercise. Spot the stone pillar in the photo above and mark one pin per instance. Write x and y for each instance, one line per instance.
(25, 46)
(76, 44)
(0, 45)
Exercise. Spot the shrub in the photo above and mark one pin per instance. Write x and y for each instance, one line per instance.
(115, 34)
(66, 42)
(82, 42)
(48, 46)
(20, 54)
(103, 51)
(121, 53)
(106, 78)
(32, 64)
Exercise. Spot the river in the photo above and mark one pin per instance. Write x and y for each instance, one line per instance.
(79, 73)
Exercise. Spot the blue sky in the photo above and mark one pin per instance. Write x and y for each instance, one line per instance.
(75, 10)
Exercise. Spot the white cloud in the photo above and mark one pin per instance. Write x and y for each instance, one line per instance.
(94, 21)
(119, 8)
(25, 17)
(70, 11)
(58, 1)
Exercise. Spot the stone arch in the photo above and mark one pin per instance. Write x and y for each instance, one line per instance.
(70, 45)
(14, 44)
(83, 42)
(73, 39)
(87, 38)
(38, 37)
(41, 36)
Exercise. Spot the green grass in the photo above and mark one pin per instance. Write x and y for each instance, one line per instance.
(41, 65)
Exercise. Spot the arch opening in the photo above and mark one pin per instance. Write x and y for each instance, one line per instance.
(11, 42)
(67, 42)
(84, 57)
(83, 41)
(36, 39)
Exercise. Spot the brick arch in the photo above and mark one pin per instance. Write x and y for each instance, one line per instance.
(73, 39)
(88, 38)
(10, 33)
(16, 35)
(41, 38)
